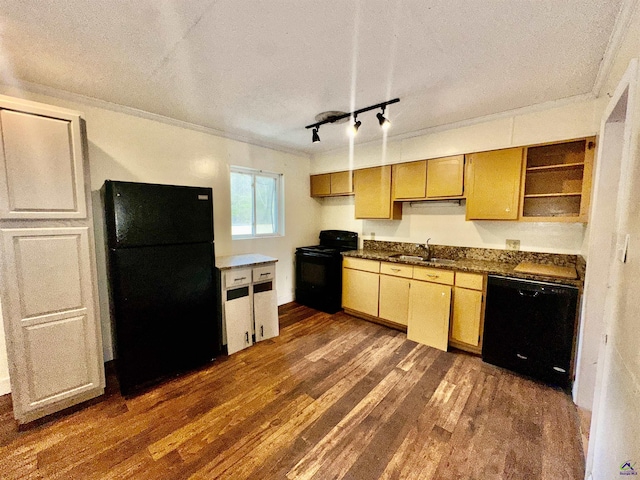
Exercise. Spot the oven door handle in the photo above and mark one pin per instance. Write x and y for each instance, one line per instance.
(317, 255)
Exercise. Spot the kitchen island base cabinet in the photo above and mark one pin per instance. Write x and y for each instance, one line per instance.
(249, 310)
(429, 310)
(265, 311)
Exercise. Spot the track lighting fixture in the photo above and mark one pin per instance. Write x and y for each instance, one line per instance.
(336, 116)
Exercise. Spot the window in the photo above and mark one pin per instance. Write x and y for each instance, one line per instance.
(255, 203)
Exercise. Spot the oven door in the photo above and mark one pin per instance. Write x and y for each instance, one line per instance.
(319, 280)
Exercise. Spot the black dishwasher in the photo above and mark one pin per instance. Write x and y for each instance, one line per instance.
(530, 327)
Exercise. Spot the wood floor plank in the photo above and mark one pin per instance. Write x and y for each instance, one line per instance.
(331, 397)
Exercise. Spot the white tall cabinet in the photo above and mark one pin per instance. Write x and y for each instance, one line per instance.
(47, 274)
(248, 300)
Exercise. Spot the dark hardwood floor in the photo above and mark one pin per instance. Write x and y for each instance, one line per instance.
(331, 397)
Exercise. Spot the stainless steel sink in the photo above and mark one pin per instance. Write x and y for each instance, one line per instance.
(414, 258)
(402, 256)
(442, 261)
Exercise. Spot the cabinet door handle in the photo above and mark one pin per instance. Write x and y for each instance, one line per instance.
(262, 331)
(246, 335)
(521, 357)
(558, 369)
(264, 274)
(239, 279)
(431, 275)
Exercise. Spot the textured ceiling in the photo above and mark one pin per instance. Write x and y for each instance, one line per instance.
(263, 70)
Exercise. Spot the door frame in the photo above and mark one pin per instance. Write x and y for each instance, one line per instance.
(625, 92)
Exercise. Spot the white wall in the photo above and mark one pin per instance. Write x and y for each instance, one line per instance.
(445, 223)
(126, 147)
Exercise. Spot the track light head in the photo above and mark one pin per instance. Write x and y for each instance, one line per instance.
(315, 138)
(384, 123)
(353, 130)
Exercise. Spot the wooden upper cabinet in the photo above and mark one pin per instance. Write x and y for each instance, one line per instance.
(321, 185)
(493, 184)
(342, 183)
(410, 180)
(445, 177)
(372, 188)
(332, 184)
(557, 181)
(426, 179)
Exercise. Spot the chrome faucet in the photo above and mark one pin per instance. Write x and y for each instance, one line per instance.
(426, 246)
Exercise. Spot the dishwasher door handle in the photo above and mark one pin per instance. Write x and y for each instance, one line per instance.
(527, 293)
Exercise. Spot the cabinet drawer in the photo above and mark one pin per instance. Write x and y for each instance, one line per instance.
(472, 281)
(233, 278)
(396, 269)
(264, 274)
(435, 275)
(361, 264)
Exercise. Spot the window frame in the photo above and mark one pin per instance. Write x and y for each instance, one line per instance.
(279, 217)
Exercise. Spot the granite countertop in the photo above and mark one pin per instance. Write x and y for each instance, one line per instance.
(493, 266)
(245, 260)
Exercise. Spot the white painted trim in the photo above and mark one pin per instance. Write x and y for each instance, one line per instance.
(628, 81)
(116, 107)
(620, 29)
(5, 386)
(538, 107)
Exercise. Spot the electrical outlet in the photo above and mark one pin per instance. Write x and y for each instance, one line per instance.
(513, 244)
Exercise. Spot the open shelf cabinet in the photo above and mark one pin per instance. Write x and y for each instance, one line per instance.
(557, 181)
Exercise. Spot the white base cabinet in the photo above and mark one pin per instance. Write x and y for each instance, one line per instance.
(237, 324)
(249, 303)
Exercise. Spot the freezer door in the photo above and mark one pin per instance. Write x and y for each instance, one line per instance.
(164, 307)
(140, 214)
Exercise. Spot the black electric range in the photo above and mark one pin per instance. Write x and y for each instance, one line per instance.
(319, 270)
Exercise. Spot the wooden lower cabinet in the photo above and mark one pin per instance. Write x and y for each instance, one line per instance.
(467, 312)
(394, 299)
(360, 291)
(438, 307)
(429, 311)
(467, 309)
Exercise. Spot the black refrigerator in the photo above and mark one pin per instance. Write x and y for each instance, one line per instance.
(161, 284)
